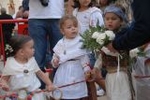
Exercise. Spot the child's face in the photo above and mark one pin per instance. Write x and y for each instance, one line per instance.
(70, 29)
(84, 3)
(112, 21)
(103, 2)
(28, 49)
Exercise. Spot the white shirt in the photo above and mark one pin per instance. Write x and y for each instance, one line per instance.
(18, 78)
(89, 17)
(55, 9)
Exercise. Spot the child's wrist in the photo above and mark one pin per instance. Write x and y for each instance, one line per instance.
(53, 65)
(49, 84)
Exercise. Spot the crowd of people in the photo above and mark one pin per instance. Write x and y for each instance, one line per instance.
(55, 28)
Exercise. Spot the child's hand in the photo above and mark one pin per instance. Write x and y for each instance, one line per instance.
(55, 61)
(97, 73)
(4, 86)
(50, 87)
(89, 76)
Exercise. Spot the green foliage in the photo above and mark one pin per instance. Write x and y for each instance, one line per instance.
(88, 42)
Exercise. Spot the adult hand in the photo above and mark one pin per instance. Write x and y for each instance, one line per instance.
(25, 14)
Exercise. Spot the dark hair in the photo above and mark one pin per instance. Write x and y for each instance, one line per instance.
(16, 43)
(3, 10)
(77, 4)
(66, 17)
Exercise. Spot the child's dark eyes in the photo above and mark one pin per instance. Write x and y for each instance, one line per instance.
(113, 18)
(69, 27)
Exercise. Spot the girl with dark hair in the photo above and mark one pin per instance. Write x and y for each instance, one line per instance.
(21, 69)
(102, 4)
(87, 15)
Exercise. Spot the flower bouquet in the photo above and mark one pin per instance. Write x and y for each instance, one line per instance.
(96, 37)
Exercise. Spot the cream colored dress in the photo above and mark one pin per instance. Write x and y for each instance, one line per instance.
(117, 87)
(142, 68)
(23, 76)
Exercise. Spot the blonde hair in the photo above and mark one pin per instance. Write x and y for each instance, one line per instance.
(66, 17)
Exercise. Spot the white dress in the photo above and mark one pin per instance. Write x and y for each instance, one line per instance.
(142, 68)
(19, 79)
(72, 60)
(89, 17)
(117, 87)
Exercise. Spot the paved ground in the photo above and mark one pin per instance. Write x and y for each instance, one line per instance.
(102, 98)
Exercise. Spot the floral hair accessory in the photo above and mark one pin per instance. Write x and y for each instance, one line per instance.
(8, 49)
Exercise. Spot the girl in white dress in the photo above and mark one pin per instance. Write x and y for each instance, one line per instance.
(21, 69)
(87, 15)
(71, 61)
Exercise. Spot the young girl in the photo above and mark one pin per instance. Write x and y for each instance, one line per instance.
(117, 83)
(71, 61)
(21, 69)
(102, 4)
(87, 15)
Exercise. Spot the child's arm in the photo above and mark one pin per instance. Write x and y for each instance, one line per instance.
(46, 80)
(69, 7)
(85, 62)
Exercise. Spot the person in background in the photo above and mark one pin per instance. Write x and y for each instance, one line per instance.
(21, 69)
(43, 27)
(141, 71)
(88, 16)
(7, 28)
(127, 5)
(71, 60)
(19, 13)
(25, 5)
(102, 4)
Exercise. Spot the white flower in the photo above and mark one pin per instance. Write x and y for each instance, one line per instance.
(95, 35)
(101, 39)
(134, 52)
(110, 34)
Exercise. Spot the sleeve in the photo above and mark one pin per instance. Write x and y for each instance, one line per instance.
(36, 66)
(98, 63)
(8, 68)
(139, 32)
(85, 61)
(96, 18)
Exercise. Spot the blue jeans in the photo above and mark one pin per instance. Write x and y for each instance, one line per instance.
(92, 59)
(45, 33)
